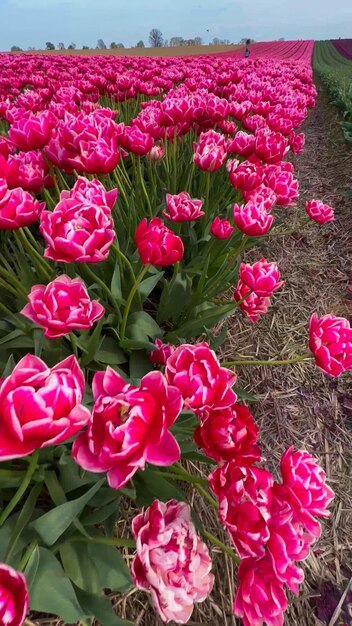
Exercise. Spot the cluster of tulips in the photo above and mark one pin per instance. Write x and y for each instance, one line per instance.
(129, 189)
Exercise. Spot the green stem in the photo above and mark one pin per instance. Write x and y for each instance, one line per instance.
(41, 263)
(197, 486)
(132, 293)
(296, 359)
(8, 288)
(22, 488)
(145, 193)
(221, 545)
(103, 287)
(13, 281)
(72, 339)
(207, 193)
(27, 555)
(124, 258)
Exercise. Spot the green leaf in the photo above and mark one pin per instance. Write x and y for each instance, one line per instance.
(147, 285)
(130, 344)
(94, 343)
(95, 566)
(174, 298)
(9, 367)
(32, 568)
(150, 485)
(141, 327)
(51, 590)
(244, 395)
(23, 519)
(205, 319)
(53, 524)
(115, 286)
(99, 607)
(139, 365)
(101, 514)
(110, 352)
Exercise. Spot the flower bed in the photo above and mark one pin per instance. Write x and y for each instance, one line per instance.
(129, 189)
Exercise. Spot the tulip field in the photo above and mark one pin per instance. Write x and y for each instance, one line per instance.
(138, 201)
(332, 62)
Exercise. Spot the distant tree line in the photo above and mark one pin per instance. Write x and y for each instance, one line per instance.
(156, 40)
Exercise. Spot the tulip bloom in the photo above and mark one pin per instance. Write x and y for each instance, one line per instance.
(129, 427)
(40, 406)
(77, 230)
(319, 212)
(157, 244)
(17, 208)
(172, 562)
(330, 340)
(260, 597)
(182, 208)
(221, 228)
(262, 278)
(61, 306)
(252, 219)
(305, 481)
(13, 596)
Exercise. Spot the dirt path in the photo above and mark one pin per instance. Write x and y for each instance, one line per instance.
(297, 404)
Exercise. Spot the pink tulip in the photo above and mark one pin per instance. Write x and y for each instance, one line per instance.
(27, 170)
(246, 176)
(296, 142)
(319, 212)
(156, 153)
(136, 141)
(252, 305)
(221, 228)
(157, 244)
(330, 340)
(17, 208)
(32, 132)
(252, 219)
(203, 383)
(210, 153)
(229, 434)
(161, 353)
(261, 195)
(242, 144)
(77, 230)
(262, 278)
(129, 427)
(260, 597)
(270, 147)
(91, 192)
(61, 306)
(306, 483)
(244, 495)
(281, 181)
(13, 596)
(40, 406)
(172, 562)
(183, 208)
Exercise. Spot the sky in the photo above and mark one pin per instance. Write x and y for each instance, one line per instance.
(33, 22)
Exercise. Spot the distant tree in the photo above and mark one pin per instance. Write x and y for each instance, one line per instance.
(61, 46)
(114, 45)
(85, 47)
(31, 48)
(198, 41)
(140, 44)
(101, 45)
(16, 49)
(156, 38)
(72, 46)
(49, 46)
(215, 42)
(282, 39)
(176, 41)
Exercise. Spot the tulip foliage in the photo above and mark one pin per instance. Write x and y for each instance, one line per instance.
(129, 191)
